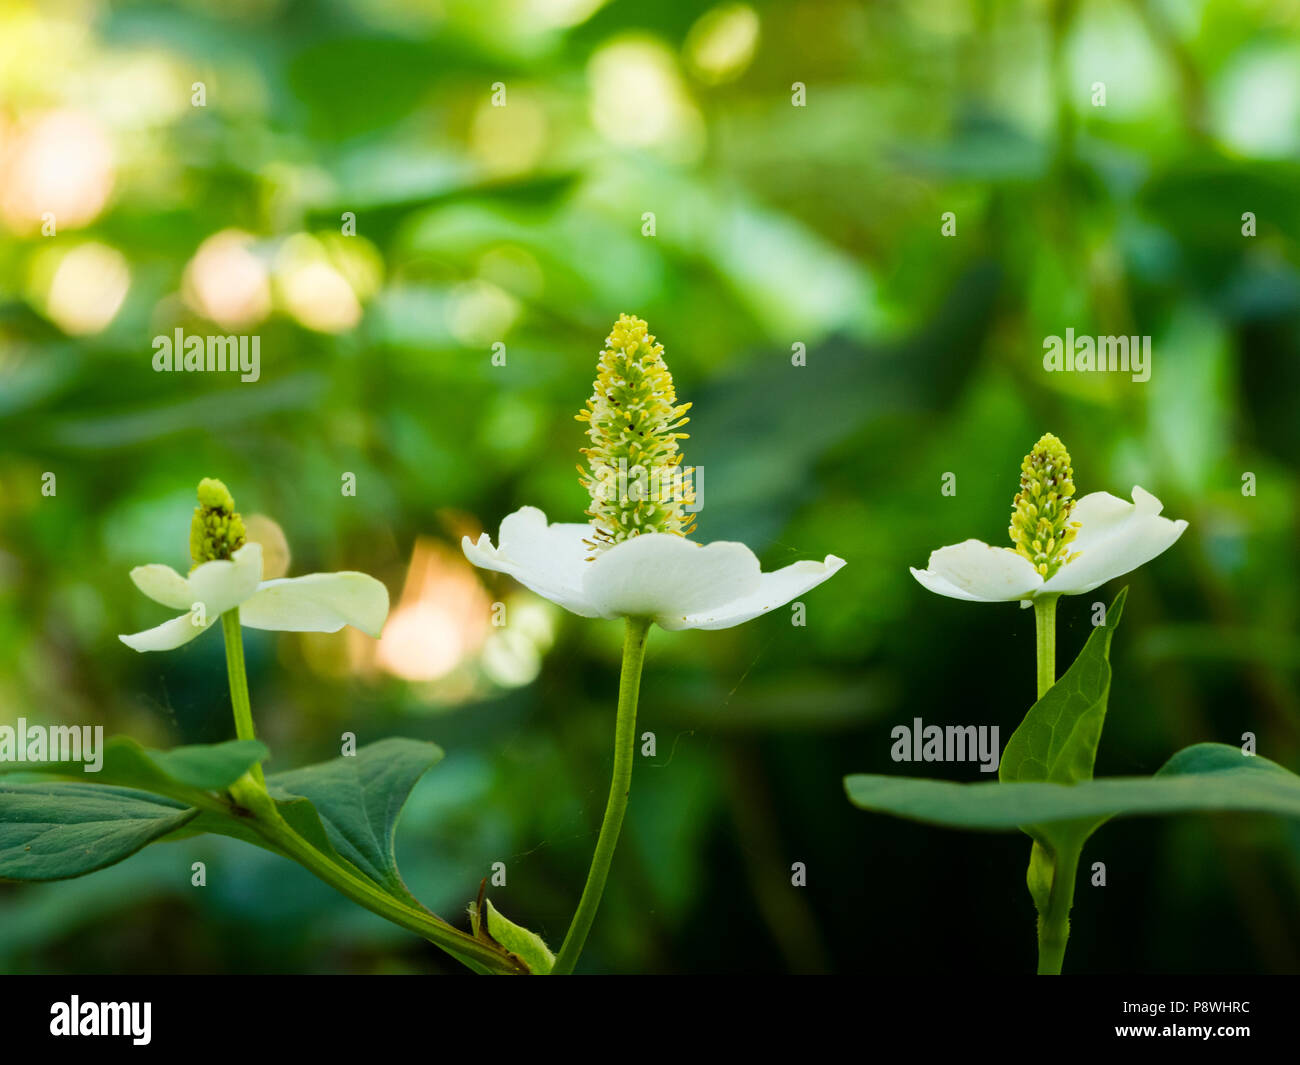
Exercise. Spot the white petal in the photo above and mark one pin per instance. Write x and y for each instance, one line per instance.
(668, 578)
(1114, 538)
(774, 589)
(319, 602)
(221, 585)
(168, 635)
(163, 585)
(551, 560)
(982, 574)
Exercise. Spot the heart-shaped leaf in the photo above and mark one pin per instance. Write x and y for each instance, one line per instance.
(358, 799)
(1207, 777)
(1057, 741)
(346, 808)
(177, 773)
(56, 830)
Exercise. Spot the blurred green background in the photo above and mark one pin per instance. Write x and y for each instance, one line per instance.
(774, 225)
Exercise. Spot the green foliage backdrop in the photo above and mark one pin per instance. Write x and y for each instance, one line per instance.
(775, 225)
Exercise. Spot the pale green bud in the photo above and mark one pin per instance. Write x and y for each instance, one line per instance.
(216, 531)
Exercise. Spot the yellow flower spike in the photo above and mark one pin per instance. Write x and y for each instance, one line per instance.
(634, 473)
(1040, 519)
(216, 531)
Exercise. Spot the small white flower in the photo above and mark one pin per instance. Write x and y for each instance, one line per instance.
(1063, 546)
(319, 602)
(676, 582)
(633, 560)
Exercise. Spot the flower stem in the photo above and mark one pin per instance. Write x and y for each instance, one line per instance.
(239, 700)
(268, 822)
(1053, 872)
(1054, 920)
(251, 794)
(629, 686)
(1045, 632)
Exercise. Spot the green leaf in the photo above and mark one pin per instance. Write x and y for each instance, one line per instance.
(346, 808)
(175, 773)
(298, 812)
(1207, 778)
(1057, 741)
(189, 774)
(53, 831)
(358, 800)
(515, 938)
(208, 767)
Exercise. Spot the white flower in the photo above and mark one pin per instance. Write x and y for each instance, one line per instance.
(319, 602)
(633, 559)
(1112, 537)
(677, 583)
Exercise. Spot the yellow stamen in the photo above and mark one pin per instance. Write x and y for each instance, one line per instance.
(1040, 525)
(634, 473)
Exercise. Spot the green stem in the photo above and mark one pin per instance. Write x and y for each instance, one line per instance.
(1053, 872)
(272, 827)
(239, 683)
(1045, 632)
(1054, 920)
(251, 795)
(629, 687)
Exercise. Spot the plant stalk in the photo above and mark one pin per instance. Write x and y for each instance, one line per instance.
(1057, 870)
(235, 670)
(629, 687)
(1045, 639)
(251, 795)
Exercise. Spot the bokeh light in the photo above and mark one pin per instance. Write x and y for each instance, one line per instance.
(55, 168)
